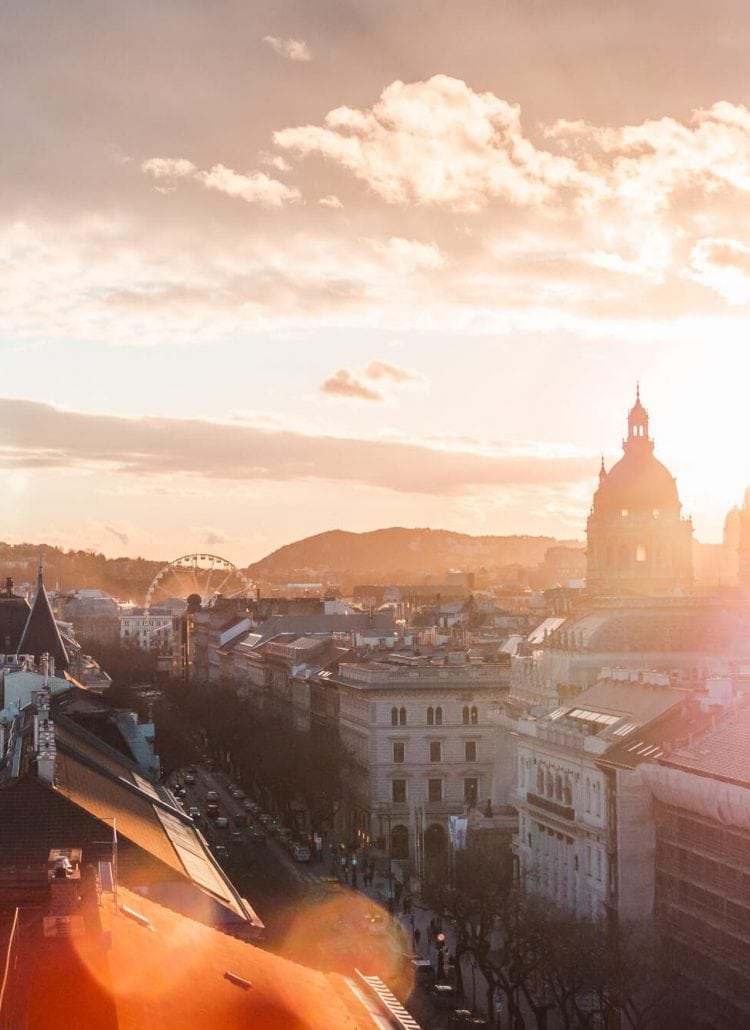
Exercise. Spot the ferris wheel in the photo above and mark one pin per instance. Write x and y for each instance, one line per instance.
(207, 575)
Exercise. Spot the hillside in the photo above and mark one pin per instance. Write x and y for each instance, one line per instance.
(397, 555)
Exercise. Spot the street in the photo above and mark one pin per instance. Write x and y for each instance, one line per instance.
(313, 918)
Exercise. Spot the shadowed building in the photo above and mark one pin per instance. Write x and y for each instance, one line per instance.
(14, 614)
(41, 634)
(638, 542)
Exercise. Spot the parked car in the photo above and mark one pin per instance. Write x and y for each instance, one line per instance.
(194, 812)
(301, 853)
(222, 822)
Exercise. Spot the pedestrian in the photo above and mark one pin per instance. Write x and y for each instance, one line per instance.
(417, 935)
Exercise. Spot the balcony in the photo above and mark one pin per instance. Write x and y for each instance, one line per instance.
(553, 807)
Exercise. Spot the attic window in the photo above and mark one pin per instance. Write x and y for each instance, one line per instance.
(624, 513)
(640, 553)
(656, 513)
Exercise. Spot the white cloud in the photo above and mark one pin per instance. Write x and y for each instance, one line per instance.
(292, 49)
(437, 142)
(255, 188)
(330, 201)
(168, 167)
(723, 265)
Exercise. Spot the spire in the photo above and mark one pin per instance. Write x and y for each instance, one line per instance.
(602, 472)
(41, 635)
(638, 438)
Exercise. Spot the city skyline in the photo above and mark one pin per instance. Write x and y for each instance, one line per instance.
(298, 268)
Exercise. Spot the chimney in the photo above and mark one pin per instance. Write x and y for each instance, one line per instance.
(64, 878)
(44, 739)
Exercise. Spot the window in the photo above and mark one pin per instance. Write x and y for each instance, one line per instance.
(471, 790)
(640, 553)
(438, 716)
(399, 749)
(430, 716)
(400, 842)
(470, 748)
(624, 513)
(465, 715)
(434, 790)
(394, 716)
(402, 717)
(435, 751)
(398, 791)
(474, 715)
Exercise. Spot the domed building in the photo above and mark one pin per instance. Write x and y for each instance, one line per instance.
(637, 541)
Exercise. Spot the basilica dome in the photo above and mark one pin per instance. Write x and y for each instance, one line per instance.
(638, 483)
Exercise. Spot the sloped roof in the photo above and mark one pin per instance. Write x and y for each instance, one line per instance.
(171, 974)
(722, 752)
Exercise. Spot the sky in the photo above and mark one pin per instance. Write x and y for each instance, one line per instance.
(272, 268)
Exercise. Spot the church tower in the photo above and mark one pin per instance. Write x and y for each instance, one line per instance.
(637, 541)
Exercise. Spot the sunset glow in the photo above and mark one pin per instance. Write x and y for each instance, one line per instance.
(287, 287)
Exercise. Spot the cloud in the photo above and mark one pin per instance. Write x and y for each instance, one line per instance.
(292, 49)
(41, 436)
(210, 536)
(437, 142)
(402, 376)
(330, 201)
(347, 384)
(351, 384)
(168, 167)
(119, 535)
(253, 187)
(722, 265)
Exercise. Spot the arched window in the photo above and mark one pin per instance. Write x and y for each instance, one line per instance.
(399, 842)
(474, 715)
(402, 717)
(438, 716)
(640, 553)
(558, 787)
(394, 716)
(568, 790)
(430, 716)
(466, 715)
(540, 780)
(548, 783)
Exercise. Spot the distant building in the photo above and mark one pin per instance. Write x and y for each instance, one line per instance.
(637, 540)
(424, 735)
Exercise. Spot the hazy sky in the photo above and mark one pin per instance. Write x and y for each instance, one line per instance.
(273, 268)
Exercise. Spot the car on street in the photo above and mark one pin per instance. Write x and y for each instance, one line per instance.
(247, 804)
(194, 812)
(190, 779)
(222, 822)
(300, 853)
(211, 795)
(212, 809)
(220, 851)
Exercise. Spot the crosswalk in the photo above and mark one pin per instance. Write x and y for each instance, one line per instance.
(389, 1000)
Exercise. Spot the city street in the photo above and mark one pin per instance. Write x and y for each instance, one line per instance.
(314, 919)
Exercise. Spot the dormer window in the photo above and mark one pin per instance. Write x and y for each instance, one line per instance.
(656, 513)
(624, 513)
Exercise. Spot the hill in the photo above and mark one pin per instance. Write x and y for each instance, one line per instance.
(397, 555)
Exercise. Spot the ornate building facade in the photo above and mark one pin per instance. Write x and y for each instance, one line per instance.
(638, 543)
